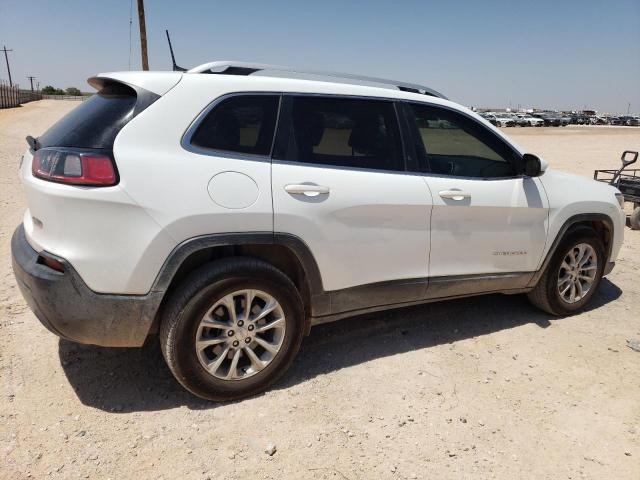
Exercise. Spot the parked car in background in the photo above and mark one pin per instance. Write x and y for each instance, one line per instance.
(548, 120)
(490, 118)
(615, 121)
(504, 120)
(527, 120)
(579, 119)
(552, 119)
(516, 119)
(499, 119)
(629, 121)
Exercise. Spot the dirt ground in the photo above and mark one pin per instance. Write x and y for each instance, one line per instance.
(486, 387)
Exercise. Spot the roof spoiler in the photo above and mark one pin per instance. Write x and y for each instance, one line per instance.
(155, 82)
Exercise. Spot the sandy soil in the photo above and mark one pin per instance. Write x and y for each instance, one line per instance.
(487, 387)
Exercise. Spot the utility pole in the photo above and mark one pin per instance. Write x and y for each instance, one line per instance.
(31, 80)
(628, 108)
(143, 36)
(6, 59)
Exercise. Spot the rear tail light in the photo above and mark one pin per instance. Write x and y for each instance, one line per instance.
(74, 167)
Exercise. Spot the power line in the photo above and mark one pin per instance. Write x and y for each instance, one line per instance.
(6, 59)
(31, 80)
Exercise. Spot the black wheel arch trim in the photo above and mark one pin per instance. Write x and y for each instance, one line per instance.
(566, 226)
(319, 304)
(328, 303)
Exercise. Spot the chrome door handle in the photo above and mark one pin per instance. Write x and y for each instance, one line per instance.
(306, 189)
(454, 194)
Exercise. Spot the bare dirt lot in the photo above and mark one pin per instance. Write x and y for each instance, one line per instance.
(487, 387)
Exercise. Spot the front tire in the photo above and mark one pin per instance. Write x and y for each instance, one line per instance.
(572, 275)
(232, 328)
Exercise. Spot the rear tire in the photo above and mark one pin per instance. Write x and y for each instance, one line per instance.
(210, 306)
(547, 294)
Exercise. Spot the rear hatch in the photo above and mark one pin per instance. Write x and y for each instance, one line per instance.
(78, 149)
(71, 179)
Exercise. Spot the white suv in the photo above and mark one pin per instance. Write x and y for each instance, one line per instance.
(228, 211)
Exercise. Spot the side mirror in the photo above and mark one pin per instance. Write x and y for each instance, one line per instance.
(628, 157)
(533, 166)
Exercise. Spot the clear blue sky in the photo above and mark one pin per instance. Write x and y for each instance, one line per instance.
(559, 54)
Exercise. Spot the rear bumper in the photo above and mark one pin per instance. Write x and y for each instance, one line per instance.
(67, 307)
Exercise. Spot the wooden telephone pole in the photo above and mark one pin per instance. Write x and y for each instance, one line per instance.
(6, 59)
(143, 36)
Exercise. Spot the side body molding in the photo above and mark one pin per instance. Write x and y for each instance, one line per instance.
(326, 306)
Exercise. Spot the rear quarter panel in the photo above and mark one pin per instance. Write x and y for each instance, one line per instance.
(111, 242)
(172, 183)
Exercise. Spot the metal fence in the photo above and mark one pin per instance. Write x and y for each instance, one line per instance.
(12, 96)
(80, 98)
(9, 96)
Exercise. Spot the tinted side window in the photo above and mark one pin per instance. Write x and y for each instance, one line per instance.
(243, 124)
(344, 132)
(452, 144)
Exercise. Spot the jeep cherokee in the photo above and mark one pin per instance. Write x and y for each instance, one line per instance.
(231, 207)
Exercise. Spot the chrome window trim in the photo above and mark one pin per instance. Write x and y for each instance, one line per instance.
(190, 131)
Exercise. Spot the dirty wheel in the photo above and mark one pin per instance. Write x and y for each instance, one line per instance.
(232, 328)
(572, 275)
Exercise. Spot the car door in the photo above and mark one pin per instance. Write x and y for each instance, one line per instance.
(340, 184)
(486, 218)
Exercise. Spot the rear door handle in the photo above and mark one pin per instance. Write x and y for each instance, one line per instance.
(309, 190)
(454, 194)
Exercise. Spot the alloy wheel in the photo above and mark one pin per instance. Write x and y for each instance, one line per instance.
(240, 334)
(577, 273)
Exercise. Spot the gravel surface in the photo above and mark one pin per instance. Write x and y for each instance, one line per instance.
(486, 387)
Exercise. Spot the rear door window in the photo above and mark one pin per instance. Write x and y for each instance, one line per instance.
(96, 121)
(239, 124)
(343, 132)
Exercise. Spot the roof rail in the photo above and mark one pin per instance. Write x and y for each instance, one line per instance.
(244, 68)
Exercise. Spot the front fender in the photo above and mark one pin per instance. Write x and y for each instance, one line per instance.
(574, 199)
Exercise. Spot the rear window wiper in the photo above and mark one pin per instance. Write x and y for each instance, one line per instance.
(33, 143)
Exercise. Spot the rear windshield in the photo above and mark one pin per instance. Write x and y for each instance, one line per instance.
(96, 121)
